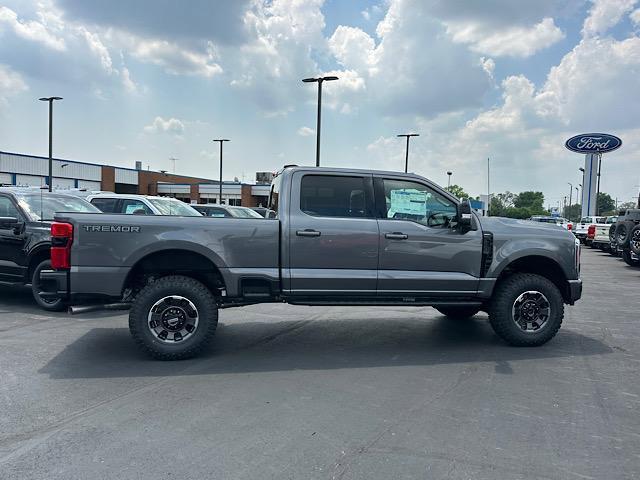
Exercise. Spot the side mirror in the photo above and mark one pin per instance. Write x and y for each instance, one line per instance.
(8, 223)
(464, 215)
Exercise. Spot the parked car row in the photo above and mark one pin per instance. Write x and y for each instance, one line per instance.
(624, 237)
(26, 215)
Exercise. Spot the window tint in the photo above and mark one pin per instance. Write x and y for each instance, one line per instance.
(44, 206)
(131, 207)
(8, 209)
(333, 196)
(405, 200)
(106, 205)
(213, 211)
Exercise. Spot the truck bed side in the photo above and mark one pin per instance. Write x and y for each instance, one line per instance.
(107, 247)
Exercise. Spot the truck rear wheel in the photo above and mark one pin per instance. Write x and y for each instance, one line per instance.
(50, 305)
(526, 310)
(626, 257)
(458, 311)
(173, 318)
(634, 243)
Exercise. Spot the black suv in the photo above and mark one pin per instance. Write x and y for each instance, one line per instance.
(25, 238)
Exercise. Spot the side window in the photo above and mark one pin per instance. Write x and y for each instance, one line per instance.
(8, 209)
(217, 212)
(406, 200)
(135, 207)
(333, 196)
(106, 205)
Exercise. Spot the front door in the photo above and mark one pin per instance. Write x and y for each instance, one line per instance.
(420, 254)
(12, 254)
(333, 235)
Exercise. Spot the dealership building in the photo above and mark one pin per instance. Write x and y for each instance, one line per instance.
(32, 171)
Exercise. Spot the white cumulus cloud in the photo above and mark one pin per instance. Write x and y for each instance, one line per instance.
(169, 125)
(516, 41)
(605, 14)
(31, 30)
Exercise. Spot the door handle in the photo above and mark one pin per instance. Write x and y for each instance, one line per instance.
(396, 236)
(309, 232)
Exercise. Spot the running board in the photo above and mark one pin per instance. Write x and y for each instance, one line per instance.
(382, 302)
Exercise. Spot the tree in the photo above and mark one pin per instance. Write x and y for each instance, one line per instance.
(500, 202)
(605, 203)
(457, 191)
(533, 201)
(626, 205)
(573, 212)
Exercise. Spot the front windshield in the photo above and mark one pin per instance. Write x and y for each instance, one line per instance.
(169, 206)
(243, 212)
(44, 207)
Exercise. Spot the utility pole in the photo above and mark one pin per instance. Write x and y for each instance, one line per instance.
(173, 161)
(221, 141)
(406, 155)
(319, 81)
(449, 180)
(50, 100)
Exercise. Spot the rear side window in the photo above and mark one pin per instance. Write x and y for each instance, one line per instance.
(106, 205)
(135, 207)
(8, 209)
(333, 196)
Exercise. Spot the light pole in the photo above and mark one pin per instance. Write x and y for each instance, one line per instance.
(406, 155)
(173, 161)
(221, 141)
(319, 81)
(449, 180)
(570, 193)
(50, 100)
(578, 191)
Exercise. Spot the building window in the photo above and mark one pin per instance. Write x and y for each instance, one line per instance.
(234, 202)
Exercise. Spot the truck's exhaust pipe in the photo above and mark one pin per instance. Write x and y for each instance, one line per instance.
(78, 309)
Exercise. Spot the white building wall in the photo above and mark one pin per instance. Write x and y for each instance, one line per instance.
(89, 185)
(5, 178)
(36, 166)
(126, 176)
(29, 181)
(169, 188)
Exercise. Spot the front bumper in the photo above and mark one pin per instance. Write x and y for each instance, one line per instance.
(575, 290)
(55, 284)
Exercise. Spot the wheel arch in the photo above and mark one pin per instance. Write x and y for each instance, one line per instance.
(540, 265)
(175, 261)
(39, 254)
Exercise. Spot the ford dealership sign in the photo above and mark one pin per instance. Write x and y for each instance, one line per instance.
(593, 143)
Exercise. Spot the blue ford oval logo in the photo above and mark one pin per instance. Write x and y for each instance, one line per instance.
(593, 143)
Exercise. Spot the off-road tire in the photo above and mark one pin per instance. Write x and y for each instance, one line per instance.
(505, 295)
(57, 305)
(634, 243)
(458, 311)
(186, 287)
(623, 233)
(626, 256)
(612, 232)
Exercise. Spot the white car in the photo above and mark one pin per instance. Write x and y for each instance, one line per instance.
(600, 237)
(141, 205)
(581, 229)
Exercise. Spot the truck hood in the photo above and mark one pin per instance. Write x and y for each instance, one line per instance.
(502, 225)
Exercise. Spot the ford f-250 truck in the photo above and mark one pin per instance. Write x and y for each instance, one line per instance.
(341, 237)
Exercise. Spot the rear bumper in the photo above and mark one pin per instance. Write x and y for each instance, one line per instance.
(55, 284)
(575, 290)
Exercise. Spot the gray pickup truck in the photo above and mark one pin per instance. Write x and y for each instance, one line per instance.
(341, 237)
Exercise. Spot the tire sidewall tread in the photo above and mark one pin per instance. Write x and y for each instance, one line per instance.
(188, 287)
(500, 311)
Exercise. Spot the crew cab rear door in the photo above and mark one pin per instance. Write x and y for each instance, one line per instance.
(420, 255)
(332, 235)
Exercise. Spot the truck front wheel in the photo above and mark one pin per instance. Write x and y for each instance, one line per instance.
(173, 318)
(526, 310)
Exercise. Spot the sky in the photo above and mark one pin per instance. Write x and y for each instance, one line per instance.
(502, 79)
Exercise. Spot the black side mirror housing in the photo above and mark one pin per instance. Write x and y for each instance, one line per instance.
(464, 215)
(8, 223)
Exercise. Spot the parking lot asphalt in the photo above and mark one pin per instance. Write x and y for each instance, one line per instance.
(327, 393)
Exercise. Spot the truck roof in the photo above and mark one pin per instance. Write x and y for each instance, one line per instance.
(351, 170)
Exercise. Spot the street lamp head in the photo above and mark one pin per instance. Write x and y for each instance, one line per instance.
(328, 79)
(319, 79)
(308, 80)
(408, 135)
(221, 140)
(49, 99)
(581, 169)
(449, 173)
